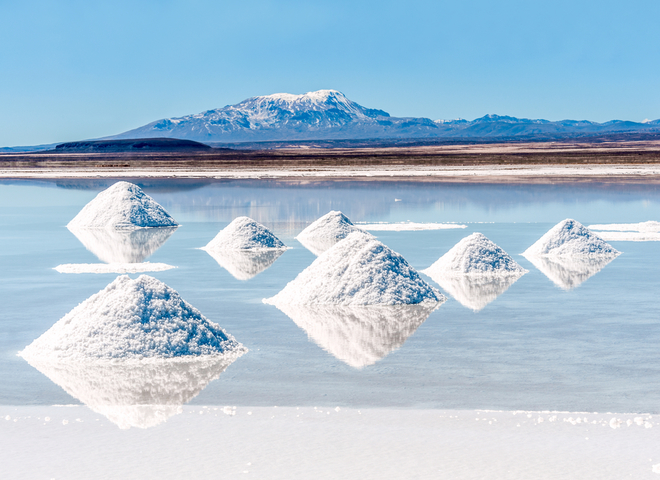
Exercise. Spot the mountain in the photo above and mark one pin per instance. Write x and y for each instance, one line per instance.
(325, 114)
(329, 115)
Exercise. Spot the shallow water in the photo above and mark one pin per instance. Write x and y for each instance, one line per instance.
(536, 345)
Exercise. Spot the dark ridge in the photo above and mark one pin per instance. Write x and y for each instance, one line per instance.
(131, 145)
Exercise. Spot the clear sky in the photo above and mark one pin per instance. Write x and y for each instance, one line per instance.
(73, 70)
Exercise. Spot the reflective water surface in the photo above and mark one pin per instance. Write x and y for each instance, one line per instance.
(579, 336)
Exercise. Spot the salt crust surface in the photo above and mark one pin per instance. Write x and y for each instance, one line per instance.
(569, 272)
(123, 205)
(132, 319)
(324, 232)
(113, 267)
(650, 226)
(475, 255)
(407, 226)
(569, 238)
(124, 245)
(358, 335)
(358, 270)
(328, 442)
(243, 233)
(245, 264)
(139, 394)
(629, 236)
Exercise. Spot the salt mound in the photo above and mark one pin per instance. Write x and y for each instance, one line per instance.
(326, 231)
(132, 319)
(570, 238)
(475, 255)
(243, 233)
(358, 270)
(135, 393)
(245, 264)
(122, 246)
(359, 335)
(123, 205)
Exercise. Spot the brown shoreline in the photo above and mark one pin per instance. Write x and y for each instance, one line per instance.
(307, 165)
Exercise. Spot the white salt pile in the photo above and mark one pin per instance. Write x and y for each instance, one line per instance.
(359, 335)
(475, 255)
(570, 238)
(136, 394)
(326, 231)
(358, 270)
(132, 319)
(123, 205)
(243, 233)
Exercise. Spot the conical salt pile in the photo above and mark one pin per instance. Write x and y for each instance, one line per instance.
(132, 319)
(475, 255)
(326, 231)
(358, 270)
(243, 233)
(123, 205)
(570, 238)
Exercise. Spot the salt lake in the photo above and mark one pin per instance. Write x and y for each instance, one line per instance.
(587, 344)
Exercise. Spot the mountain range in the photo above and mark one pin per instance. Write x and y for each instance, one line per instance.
(328, 114)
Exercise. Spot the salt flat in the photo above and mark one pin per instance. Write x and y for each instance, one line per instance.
(471, 172)
(330, 442)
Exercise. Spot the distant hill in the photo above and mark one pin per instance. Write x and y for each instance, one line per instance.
(136, 145)
(329, 115)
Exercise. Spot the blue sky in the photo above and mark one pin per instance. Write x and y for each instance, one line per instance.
(73, 70)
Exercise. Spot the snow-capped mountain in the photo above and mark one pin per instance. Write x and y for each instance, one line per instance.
(322, 114)
(328, 114)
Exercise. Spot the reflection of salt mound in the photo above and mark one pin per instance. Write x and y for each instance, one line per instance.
(475, 291)
(135, 393)
(245, 264)
(122, 246)
(132, 319)
(475, 255)
(326, 231)
(359, 335)
(123, 205)
(475, 271)
(243, 233)
(646, 227)
(569, 272)
(358, 270)
(570, 238)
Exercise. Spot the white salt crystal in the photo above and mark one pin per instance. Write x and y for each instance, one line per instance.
(358, 270)
(123, 205)
(132, 319)
(243, 233)
(570, 238)
(475, 255)
(326, 231)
